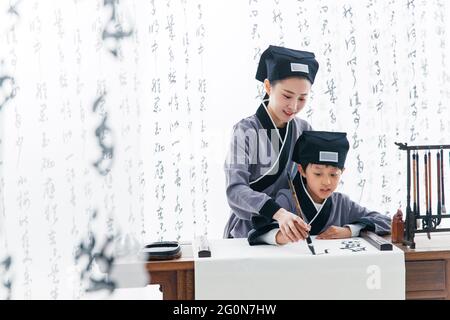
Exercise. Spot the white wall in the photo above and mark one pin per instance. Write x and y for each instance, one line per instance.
(61, 65)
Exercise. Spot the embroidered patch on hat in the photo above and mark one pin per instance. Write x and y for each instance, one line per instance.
(327, 156)
(299, 67)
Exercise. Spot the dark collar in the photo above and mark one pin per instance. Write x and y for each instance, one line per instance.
(263, 117)
(308, 207)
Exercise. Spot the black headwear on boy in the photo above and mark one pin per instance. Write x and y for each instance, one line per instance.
(321, 147)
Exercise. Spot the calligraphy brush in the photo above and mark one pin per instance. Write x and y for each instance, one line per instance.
(429, 182)
(442, 183)
(430, 194)
(438, 181)
(425, 159)
(300, 213)
(418, 187)
(414, 184)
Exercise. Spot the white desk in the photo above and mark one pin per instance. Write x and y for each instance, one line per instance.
(239, 271)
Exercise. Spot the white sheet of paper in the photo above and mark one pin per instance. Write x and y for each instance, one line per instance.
(237, 270)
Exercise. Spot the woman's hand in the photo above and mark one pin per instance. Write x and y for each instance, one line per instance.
(292, 227)
(334, 232)
(280, 238)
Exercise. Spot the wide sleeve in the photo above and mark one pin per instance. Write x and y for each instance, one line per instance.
(261, 225)
(242, 153)
(371, 220)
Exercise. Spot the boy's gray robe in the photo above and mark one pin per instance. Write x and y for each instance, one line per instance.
(255, 169)
(337, 210)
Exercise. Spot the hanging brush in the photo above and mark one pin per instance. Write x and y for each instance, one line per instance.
(438, 188)
(418, 187)
(430, 198)
(442, 183)
(426, 223)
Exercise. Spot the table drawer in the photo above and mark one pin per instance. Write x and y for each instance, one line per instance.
(425, 275)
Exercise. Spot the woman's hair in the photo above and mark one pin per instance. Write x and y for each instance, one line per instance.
(274, 82)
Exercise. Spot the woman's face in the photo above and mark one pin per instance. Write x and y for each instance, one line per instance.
(286, 98)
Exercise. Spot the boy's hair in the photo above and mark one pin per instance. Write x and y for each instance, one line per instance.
(305, 164)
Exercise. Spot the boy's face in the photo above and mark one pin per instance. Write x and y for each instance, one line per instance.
(322, 180)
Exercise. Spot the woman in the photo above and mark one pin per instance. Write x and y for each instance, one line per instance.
(262, 144)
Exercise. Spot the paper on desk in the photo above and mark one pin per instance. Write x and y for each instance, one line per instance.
(239, 271)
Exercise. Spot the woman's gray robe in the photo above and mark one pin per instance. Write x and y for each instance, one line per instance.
(255, 169)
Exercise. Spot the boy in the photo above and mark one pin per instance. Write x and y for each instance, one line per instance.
(320, 156)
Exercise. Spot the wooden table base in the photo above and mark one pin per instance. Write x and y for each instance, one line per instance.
(427, 271)
(175, 277)
(175, 285)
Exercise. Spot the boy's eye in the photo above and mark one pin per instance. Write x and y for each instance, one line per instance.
(317, 174)
(334, 175)
(287, 97)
